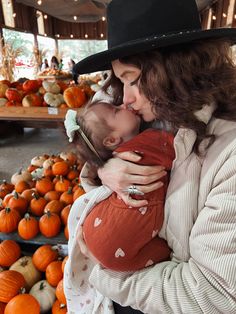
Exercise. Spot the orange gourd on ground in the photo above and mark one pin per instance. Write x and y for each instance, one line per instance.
(62, 185)
(21, 186)
(54, 273)
(74, 97)
(10, 252)
(65, 214)
(23, 303)
(44, 255)
(52, 195)
(67, 197)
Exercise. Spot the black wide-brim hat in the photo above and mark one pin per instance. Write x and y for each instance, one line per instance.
(136, 26)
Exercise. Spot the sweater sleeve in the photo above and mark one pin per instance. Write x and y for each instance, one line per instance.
(204, 284)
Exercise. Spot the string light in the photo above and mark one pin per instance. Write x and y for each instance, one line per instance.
(102, 35)
(86, 35)
(57, 35)
(71, 35)
(39, 2)
(75, 17)
(224, 15)
(235, 16)
(45, 16)
(103, 18)
(14, 14)
(45, 35)
(213, 17)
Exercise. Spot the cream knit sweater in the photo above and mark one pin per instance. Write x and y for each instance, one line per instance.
(200, 227)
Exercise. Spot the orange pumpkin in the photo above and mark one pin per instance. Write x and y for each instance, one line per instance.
(28, 227)
(44, 255)
(9, 219)
(65, 214)
(6, 199)
(28, 194)
(60, 168)
(52, 195)
(50, 224)
(78, 192)
(37, 204)
(20, 186)
(18, 203)
(74, 97)
(64, 263)
(54, 273)
(60, 292)
(11, 282)
(30, 86)
(44, 185)
(10, 252)
(54, 206)
(58, 308)
(7, 186)
(13, 94)
(23, 303)
(67, 197)
(62, 185)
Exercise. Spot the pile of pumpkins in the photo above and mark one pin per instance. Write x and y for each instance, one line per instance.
(44, 93)
(31, 284)
(38, 199)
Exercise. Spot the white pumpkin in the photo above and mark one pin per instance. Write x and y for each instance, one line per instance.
(37, 173)
(48, 163)
(25, 266)
(21, 175)
(3, 102)
(38, 161)
(45, 294)
(51, 87)
(53, 100)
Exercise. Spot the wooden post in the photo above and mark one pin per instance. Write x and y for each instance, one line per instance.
(230, 14)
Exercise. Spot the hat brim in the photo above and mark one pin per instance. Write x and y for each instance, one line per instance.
(102, 61)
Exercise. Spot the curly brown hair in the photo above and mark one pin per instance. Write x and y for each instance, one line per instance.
(179, 80)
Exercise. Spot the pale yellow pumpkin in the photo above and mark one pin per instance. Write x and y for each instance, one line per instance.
(25, 266)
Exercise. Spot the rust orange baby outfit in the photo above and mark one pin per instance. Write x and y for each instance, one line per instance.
(123, 238)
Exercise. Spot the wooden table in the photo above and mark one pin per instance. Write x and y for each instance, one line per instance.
(35, 117)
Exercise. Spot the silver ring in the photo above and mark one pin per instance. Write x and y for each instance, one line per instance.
(132, 190)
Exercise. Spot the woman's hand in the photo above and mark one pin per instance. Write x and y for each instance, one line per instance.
(83, 248)
(121, 172)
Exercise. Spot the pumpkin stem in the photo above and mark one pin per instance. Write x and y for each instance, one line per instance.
(35, 195)
(42, 286)
(8, 210)
(70, 190)
(62, 306)
(16, 195)
(24, 262)
(22, 290)
(27, 216)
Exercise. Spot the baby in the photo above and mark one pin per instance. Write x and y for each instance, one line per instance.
(122, 238)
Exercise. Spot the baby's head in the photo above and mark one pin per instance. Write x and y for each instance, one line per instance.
(106, 126)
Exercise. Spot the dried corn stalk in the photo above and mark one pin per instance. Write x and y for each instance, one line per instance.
(8, 57)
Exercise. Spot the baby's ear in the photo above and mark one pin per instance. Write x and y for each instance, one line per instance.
(112, 142)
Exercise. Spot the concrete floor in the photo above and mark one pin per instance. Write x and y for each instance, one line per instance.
(18, 148)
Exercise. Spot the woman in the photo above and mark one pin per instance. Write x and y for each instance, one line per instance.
(188, 77)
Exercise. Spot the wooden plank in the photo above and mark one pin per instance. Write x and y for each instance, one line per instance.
(32, 114)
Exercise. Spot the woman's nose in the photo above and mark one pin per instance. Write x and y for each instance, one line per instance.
(128, 97)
